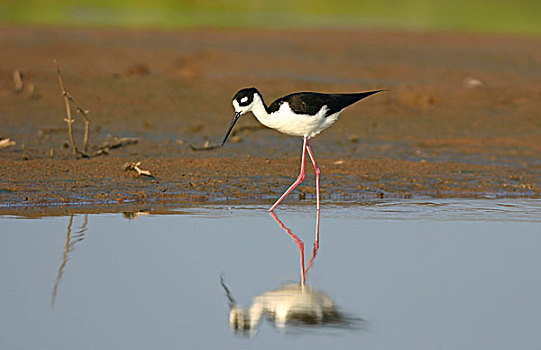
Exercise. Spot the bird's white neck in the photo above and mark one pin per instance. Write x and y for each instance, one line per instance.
(260, 111)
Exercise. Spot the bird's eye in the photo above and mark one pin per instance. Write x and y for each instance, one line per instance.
(244, 99)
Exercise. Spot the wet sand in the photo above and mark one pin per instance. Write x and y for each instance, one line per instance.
(461, 118)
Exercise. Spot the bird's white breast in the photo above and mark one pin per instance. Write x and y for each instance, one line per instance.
(286, 121)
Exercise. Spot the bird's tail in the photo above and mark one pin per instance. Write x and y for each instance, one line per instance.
(361, 95)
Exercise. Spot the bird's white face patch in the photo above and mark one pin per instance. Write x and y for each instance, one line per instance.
(236, 105)
(245, 109)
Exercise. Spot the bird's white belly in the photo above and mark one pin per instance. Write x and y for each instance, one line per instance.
(284, 120)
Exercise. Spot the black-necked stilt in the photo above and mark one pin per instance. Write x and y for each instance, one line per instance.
(303, 114)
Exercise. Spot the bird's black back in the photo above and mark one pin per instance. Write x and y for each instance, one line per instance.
(311, 102)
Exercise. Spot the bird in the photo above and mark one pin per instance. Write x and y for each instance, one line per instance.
(303, 114)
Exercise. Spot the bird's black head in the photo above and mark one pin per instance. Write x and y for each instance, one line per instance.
(243, 102)
(245, 97)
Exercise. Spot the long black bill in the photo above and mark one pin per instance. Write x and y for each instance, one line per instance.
(235, 118)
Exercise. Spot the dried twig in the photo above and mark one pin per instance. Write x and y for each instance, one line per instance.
(18, 81)
(84, 113)
(206, 146)
(69, 120)
(31, 91)
(76, 152)
(119, 142)
(80, 109)
(7, 143)
(135, 166)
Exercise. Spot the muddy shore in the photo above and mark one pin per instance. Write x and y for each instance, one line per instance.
(461, 118)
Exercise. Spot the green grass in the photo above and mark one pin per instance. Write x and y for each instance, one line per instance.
(519, 16)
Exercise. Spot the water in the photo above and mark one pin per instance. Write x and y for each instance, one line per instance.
(434, 274)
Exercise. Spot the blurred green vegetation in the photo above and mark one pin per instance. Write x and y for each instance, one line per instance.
(518, 16)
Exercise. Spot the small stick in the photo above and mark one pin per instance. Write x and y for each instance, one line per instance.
(18, 81)
(69, 120)
(76, 152)
(135, 166)
(206, 146)
(31, 91)
(7, 143)
(84, 113)
(119, 142)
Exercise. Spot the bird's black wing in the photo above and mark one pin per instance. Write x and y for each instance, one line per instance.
(311, 102)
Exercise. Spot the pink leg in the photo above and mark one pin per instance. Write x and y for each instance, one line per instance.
(299, 178)
(316, 170)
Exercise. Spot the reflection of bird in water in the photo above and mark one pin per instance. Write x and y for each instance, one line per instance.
(303, 114)
(290, 305)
